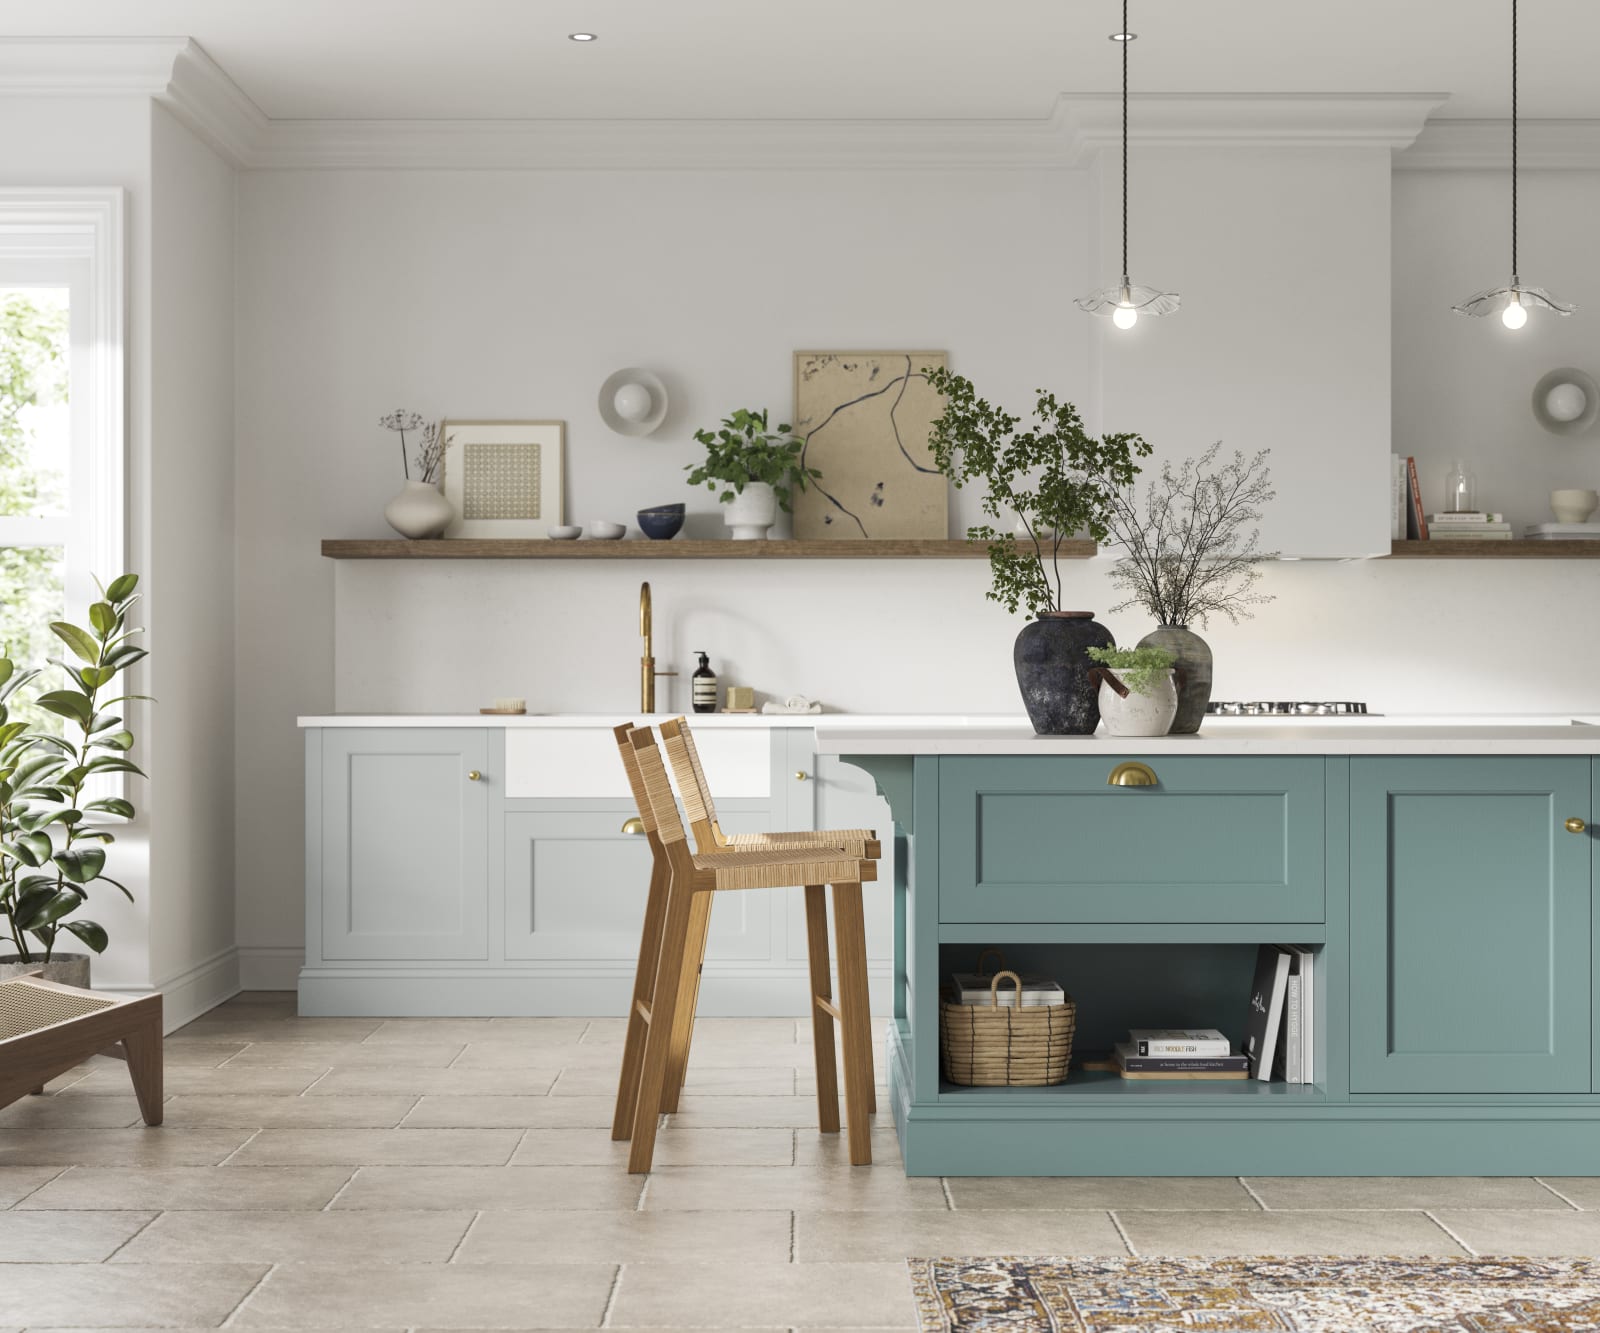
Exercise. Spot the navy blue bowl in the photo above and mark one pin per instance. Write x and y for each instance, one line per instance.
(662, 523)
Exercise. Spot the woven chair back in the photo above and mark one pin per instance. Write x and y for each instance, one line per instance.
(657, 787)
(630, 764)
(684, 756)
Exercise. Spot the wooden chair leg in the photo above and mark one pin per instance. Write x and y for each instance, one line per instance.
(688, 1000)
(644, 981)
(658, 1041)
(822, 1009)
(144, 1067)
(850, 934)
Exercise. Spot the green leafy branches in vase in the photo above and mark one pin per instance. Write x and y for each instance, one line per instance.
(758, 469)
(53, 837)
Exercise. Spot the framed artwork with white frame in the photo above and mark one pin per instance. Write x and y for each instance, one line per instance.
(503, 478)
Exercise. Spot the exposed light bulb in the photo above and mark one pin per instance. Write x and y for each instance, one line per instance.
(1515, 315)
(1125, 316)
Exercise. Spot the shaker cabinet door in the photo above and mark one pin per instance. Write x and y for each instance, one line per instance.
(1470, 925)
(405, 832)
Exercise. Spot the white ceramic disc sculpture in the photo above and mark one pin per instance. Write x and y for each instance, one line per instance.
(633, 401)
(1566, 401)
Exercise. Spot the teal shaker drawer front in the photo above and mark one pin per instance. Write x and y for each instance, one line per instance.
(1217, 839)
(1470, 916)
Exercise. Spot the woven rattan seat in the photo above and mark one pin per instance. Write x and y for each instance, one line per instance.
(781, 868)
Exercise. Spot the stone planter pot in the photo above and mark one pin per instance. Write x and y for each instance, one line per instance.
(1193, 656)
(751, 512)
(419, 511)
(1131, 713)
(66, 969)
(1053, 668)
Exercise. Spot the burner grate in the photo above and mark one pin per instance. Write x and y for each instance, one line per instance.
(1281, 708)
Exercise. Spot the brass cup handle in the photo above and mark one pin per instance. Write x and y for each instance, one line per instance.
(634, 825)
(1576, 825)
(473, 775)
(801, 775)
(1132, 774)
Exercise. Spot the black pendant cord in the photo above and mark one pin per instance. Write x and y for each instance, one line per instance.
(1514, 269)
(1127, 41)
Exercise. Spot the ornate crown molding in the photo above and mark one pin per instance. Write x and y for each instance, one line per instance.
(1485, 145)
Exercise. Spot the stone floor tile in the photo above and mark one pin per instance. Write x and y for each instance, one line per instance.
(835, 1237)
(1407, 1192)
(491, 1188)
(196, 1054)
(119, 1147)
(416, 1237)
(704, 1110)
(279, 1031)
(465, 1295)
(1101, 1192)
(753, 1081)
(814, 1148)
(812, 1189)
(1233, 1233)
(263, 1112)
(1530, 1232)
(17, 1182)
(380, 1147)
(702, 1296)
(349, 1054)
(709, 1032)
(202, 1080)
(683, 1147)
(551, 1033)
(68, 1111)
(510, 1053)
(57, 1238)
(510, 1111)
(124, 1295)
(192, 1187)
(1584, 1191)
(73, 1077)
(624, 1236)
(418, 1081)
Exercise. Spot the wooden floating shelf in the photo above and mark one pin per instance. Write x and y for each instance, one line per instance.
(467, 548)
(1468, 549)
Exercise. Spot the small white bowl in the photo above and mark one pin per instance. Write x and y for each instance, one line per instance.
(1573, 506)
(606, 532)
(565, 534)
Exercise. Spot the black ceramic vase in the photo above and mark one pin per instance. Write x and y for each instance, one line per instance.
(1053, 672)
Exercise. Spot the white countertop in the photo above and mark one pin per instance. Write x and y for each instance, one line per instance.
(840, 721)
(1249, 736)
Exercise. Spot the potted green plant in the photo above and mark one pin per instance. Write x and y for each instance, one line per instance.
(757, 467)
(1192, 551)
(1138, 689)
(1057, 480)
(53, 831)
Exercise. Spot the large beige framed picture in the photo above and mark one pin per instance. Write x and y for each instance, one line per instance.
(503, 478)
(866, 417)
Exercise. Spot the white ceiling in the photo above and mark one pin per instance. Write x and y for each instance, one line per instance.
(840, 59)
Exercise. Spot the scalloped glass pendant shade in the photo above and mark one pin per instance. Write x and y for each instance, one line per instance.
(1141, 300)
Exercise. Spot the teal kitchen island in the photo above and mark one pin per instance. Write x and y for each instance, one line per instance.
(1442, 875)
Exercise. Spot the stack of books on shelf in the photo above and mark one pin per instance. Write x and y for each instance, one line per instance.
(975, 988)
(1557, 532)
(1476, 527)
(1410, 521)
(1279, 1031)
(1179, 1053)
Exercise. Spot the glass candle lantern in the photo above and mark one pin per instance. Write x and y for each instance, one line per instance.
(1460, 490)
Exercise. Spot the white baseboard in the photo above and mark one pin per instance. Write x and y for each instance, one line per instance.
(188, 994)
(270, 968)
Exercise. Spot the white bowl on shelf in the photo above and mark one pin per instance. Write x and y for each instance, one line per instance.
(567, 533)
(606, 532)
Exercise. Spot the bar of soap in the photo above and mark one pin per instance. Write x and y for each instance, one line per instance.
(741, 697)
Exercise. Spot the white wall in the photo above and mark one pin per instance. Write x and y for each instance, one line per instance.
(190, 608)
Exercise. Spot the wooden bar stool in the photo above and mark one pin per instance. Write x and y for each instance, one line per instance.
(701, 809)
(691, 876)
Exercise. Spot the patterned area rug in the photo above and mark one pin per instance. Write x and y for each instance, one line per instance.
(1310, 1295)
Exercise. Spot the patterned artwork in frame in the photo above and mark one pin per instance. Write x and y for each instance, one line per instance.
(503, 478)
(866, 417)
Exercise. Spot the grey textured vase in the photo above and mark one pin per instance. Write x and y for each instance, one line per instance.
(1053, 672)
(1193, 654)
(65, 969)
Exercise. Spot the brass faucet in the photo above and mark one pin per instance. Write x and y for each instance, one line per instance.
(647, 662)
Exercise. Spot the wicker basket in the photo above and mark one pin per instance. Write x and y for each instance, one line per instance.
(995, 1046)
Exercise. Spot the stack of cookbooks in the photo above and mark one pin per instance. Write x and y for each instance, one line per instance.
(1474, 527)
(1180, 1053)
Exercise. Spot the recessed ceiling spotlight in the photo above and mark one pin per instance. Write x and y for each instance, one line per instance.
(583, 37)
(1124, 36)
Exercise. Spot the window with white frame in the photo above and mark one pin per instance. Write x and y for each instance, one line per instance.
(62, 423)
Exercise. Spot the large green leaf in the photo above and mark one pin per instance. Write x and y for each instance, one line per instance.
(94, 677)
(109, 763)
(9, 731)
(52, 911)
(32, 849)
(34, 896)
(7, 666)
(104, 722)
(124, 656)
(91, 933)
(38, 766)
(116, 884)
(122, 587)
(111, 805)
(65, 703)
(103, 618)
(76, 639)
(117, 740)
(80, 864)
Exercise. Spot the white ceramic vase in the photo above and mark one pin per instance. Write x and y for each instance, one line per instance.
(1138, 714)
(751, 512)
(419, 511)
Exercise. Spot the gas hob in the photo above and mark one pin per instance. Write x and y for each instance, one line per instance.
(1281, 708)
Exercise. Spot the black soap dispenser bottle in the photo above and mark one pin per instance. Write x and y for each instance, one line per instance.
(703, 686)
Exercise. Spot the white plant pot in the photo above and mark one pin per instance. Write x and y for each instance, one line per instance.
(751, 512)
(1139, 714)
(419, 511)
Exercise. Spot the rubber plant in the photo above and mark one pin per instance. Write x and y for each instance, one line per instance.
(53, 837)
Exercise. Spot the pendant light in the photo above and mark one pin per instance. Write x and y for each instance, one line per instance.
(1512, 303)
(1125, 302)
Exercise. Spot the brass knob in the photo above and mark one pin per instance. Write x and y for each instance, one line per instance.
(1132, 774)
(473, 775)
(1576, 825)
(634, 825)
(801, 775)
